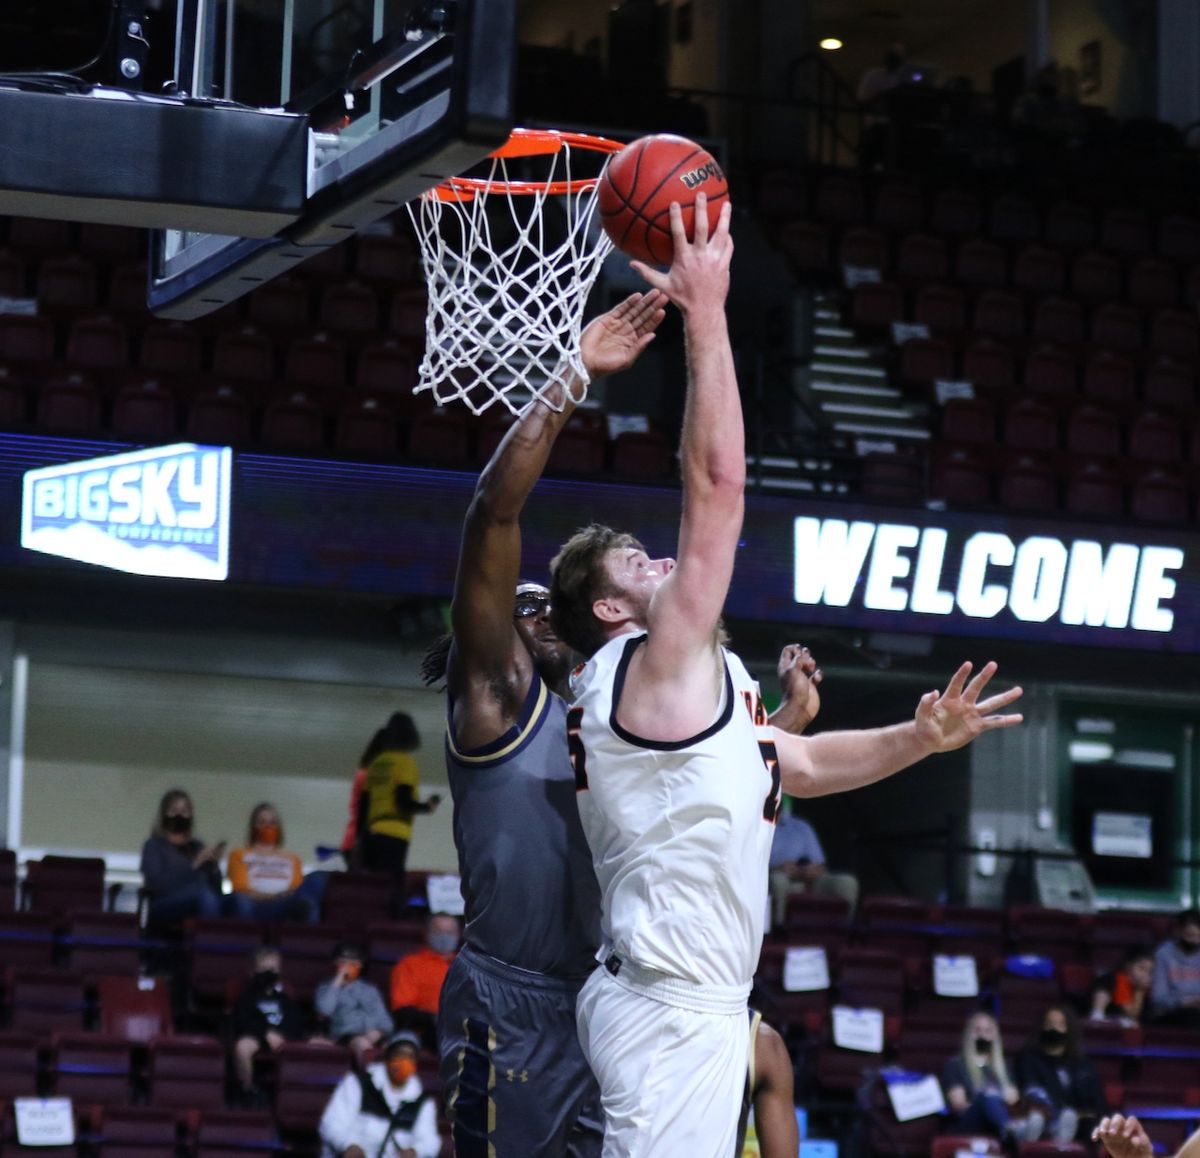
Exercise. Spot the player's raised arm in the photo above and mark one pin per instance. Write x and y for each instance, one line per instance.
(485, 646)
(684, 613)
(838, 761)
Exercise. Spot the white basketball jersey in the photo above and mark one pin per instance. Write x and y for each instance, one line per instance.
(680, 832)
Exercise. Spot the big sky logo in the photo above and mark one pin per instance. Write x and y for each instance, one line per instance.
(161, 512)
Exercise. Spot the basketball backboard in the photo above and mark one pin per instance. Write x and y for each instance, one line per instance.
(396, 95)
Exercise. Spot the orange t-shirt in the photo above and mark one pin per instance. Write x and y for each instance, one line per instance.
(417, 980)
(270, 873)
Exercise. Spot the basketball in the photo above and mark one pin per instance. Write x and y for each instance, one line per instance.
(641, 181)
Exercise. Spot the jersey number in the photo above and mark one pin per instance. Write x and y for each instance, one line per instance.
(773, 801)
(575, 749)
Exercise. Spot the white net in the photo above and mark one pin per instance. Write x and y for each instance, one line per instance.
(508, 274)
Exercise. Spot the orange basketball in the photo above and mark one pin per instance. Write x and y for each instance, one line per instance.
(640, 183)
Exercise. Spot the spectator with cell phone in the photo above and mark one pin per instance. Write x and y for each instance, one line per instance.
(181, 874)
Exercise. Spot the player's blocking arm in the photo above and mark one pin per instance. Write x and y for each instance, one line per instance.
(838, 761)
(684, 612)
(490, 559)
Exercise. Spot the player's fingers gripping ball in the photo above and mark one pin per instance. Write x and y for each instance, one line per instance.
(639, 184)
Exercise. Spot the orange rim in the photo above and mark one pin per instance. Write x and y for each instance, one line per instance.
(529, 143)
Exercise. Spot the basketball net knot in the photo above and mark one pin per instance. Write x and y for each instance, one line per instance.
(508, 267)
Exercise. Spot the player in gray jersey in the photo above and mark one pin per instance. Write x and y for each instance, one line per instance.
(516, 1082)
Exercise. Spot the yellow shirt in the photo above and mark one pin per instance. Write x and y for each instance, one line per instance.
(387, 772)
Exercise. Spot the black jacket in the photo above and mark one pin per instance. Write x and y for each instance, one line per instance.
(1036, 1070)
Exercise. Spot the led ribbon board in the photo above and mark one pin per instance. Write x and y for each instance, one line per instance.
(162, 512)
(966, 572)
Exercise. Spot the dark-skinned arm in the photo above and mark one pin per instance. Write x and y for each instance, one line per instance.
(489, 671)
(799, 678)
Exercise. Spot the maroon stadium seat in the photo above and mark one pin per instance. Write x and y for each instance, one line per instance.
(43, 1001)
(93, 1069)
(1038, 270)
(350, 309)
(366, 428)
(1095, 489)
(1126, 231)
(999, 314)
(304, 1080)
(1096, 276)
(294, 423)
(1013, 217)
(187, 1073)
(103, 943)
(957, 212)
(145, 411)
(135, 1008)
(1153, 282)
(899, 205)
(219, 417)
(1059, 320)
(388, 258)
(980, 263)
(1068, 223)
(55, 884)
(922, 258)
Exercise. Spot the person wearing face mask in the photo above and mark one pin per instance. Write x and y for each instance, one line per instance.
(1175, 992)
(977, 1088)
(352, 1006)
(417, 978)
(1053, 1073)
(263, 1018)
(182, 875)
(382, 1111)
(1124, 995)
(268, 881)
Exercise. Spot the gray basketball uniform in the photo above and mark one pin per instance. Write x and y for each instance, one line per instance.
(516, 1081)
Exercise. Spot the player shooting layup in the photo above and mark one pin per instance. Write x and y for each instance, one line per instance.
(679, 772)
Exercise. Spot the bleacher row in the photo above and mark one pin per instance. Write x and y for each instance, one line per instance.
(92, 1005)
(1070, 313)
(883, 959)
(321, 361)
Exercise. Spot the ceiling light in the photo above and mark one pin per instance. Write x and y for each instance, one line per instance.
(831, 44)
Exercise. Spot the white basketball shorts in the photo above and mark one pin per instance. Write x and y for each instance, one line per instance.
(671, 1079)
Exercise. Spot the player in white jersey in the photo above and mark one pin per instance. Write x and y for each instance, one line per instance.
(679, 773)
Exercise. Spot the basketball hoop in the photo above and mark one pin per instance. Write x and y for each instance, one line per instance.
(509, 261)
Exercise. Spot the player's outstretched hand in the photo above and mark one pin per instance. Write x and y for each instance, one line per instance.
(699, 273)
(952, 718)
(613, 341)
(1123, 1137)
(799, 678)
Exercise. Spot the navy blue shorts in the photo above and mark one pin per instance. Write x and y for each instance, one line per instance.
(514, 1075)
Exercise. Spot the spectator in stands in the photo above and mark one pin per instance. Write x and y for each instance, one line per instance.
(391, 789)
(263, 1018)
(1054, 1074)
(977, 1088)
(353, 1007)
(1175, 991)
(1123, 995)
(417, 979)
(356, 824)
(268, 881)
(182, 874)
(798, 866)
(382, 1111)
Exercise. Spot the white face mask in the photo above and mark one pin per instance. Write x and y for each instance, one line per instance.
(444, 943)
